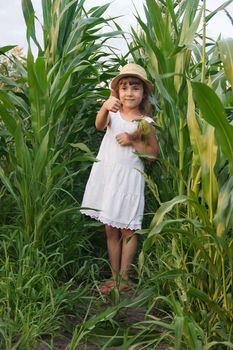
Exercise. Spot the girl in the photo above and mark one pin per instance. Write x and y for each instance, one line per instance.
(115, 189)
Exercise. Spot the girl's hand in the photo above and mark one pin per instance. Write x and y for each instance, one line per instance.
(112, 104)
(123, 139)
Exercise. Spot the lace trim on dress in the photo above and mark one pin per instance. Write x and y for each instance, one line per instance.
(113, 223)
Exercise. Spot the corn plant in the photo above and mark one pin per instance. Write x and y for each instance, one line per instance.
(42, 107)
(45, 105)
(193, 224)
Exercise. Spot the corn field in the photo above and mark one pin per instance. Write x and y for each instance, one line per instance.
(52, 259)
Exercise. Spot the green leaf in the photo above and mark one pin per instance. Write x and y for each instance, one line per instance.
(19, 103)
(84, 158)
(170, 6)
(189, 30)
(8, 185)
(196, 140)
(47, 8)
(227, 345)
(39, 95)
(226, 54)
(66, 16)
(160, 227)
(179, 325)
(193, 336)
(41, 157)
(81, 146)
(213, 112)
(7, 113)
(201, 295)
(166, 208)
(155, 15)
(29, 17)
(220, 8)
(5, 49)
(204, 156)
(224, 214)
(98, 11)
(22, 153)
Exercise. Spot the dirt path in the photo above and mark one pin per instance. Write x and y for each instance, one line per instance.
(126, 317)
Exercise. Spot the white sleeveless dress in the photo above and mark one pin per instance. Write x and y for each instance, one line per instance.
(115, 188)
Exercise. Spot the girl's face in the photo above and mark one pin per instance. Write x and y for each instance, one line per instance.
(131, 92)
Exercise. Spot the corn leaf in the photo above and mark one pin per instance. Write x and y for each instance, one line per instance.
(8, 185)
(201, 295)
(99, 10)
(226, 54)
(213, 112)
(204, 156)
(189, 30)
(179, 326)
(195, 138)
(224, 214)
(29, 17)
(155, 15)
(7, 117)
(212, 344)
(5, 49)
(170, 7)
(39, 96)
(166, 208)
(47, 8)
(220, 8)
(41, 157)
(208, 160)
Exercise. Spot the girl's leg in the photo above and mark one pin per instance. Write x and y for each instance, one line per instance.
(114, 248)
(129, 247)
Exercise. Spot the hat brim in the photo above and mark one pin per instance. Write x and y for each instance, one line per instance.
(115, 81)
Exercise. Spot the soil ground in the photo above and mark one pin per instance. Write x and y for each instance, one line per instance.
(129, 317)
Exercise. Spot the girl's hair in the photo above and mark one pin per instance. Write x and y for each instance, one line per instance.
(145, 105)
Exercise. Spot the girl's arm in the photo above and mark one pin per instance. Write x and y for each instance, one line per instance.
(102, 119)
(150, 146)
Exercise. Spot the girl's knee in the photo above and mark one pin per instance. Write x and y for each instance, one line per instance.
(112, 231)
(126, 233)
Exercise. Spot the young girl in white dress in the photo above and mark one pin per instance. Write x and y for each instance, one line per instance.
(115, 189)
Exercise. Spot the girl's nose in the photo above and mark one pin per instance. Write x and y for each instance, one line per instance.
(129, 91)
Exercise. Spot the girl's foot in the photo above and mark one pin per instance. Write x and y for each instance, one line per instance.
(125, 285)
(107, 286)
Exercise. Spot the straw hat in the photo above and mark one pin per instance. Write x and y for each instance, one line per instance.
(132, 70)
